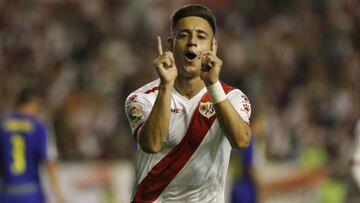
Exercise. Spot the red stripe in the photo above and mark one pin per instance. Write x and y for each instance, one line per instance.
(152, 90)
(167, 168)
(227, 88)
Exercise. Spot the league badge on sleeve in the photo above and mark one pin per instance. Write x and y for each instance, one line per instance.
(206, 109)
(134, 113)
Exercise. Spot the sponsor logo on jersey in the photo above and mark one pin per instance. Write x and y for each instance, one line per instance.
(206, 109)
(175, 110)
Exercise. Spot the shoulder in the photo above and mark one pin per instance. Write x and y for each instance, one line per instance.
(238, 99)
(19, 121)
(38, 124)
(227, 88)
(233, 91)
(149, 88)
(145, 92)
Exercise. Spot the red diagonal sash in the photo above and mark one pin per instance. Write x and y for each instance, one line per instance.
(150, 188)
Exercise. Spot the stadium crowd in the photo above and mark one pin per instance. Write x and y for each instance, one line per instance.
(298, 61)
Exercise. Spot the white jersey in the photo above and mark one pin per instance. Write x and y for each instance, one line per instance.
(194, 158)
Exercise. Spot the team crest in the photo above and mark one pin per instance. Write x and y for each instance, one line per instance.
(206, 109)
(135, 113)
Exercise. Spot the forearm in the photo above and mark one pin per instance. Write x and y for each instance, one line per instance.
(156, 126)
(54, 180)
(235, 128)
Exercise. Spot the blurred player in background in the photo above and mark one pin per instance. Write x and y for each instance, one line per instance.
(353, 192)
(23, 148)
(187, 121)
(244, 189)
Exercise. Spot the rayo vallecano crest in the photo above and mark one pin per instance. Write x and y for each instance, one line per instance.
(206, 109)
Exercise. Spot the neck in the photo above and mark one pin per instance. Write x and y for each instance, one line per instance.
(189, 87)
(27, 110)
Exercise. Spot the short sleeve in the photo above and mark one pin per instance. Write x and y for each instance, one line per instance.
(42, 146)
(241, 104)
(137, 109)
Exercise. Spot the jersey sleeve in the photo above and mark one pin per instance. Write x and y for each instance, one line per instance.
(1, 148)
(137, 109)
(241, 104)
(42, 142)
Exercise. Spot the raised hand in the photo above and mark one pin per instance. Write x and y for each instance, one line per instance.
(165, 65)
(210, 65)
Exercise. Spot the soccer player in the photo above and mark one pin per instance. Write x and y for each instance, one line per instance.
(187, 121)
(244, 189)
(23, 147)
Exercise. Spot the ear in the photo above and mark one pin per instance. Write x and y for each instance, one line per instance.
(170, 41)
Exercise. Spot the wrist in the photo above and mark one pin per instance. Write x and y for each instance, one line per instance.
(166, 86)
(210, 83)
(216, 92)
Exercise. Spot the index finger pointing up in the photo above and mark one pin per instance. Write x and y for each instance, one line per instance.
(159, 46)
(214, 46)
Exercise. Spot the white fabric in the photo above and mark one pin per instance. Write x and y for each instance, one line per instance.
(216, 92)
(202, 179)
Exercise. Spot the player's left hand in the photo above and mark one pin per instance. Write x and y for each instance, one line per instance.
(210, 65)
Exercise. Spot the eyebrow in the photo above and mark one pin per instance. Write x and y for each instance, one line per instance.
(197, 30)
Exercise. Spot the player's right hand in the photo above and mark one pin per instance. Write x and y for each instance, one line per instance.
(165, 65)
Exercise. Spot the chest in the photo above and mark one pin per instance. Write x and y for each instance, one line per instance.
(182, 112)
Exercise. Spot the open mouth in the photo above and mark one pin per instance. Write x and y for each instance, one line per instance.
(190, 56)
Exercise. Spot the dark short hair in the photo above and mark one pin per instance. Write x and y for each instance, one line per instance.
(27, 94)
(193, 10)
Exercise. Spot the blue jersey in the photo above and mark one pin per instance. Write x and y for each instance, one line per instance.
(22, 148)
(244, 187)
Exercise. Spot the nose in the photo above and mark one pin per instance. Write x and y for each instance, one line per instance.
(192, 40)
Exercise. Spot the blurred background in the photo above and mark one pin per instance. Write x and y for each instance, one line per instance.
(298, 61)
